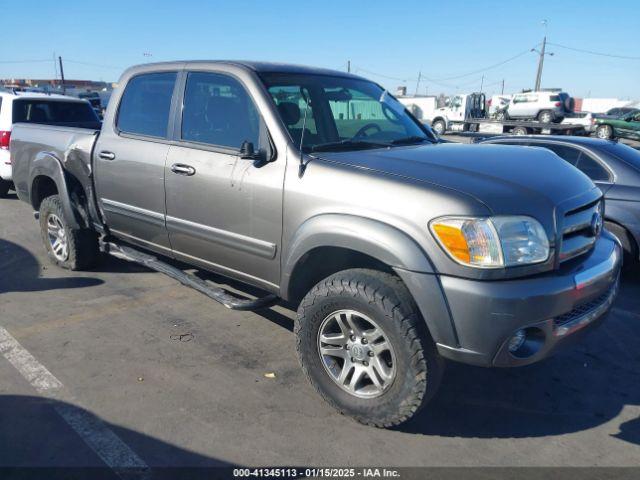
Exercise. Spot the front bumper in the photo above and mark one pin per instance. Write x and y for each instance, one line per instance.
(552, 308)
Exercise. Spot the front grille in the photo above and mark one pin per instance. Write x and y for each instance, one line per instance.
(577, 232)
(587, 307)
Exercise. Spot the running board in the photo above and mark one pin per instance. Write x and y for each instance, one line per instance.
(216, 293)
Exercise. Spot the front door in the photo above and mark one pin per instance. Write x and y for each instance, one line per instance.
(223, 211)
(130, 161)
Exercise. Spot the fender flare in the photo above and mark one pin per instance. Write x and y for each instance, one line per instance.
(364, 235)
(47, 164)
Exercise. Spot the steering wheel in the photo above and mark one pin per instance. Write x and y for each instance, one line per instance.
(361, 133)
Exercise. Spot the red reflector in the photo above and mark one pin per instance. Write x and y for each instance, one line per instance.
(5, 138)
(558, 104)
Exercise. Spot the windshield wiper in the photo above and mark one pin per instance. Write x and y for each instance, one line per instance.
(409, 140)
(346, 144)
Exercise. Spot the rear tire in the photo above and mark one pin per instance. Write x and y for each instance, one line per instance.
(520, 131)
(73, 249)
(604, 132)
(546, 116)
(413, 367)
(4, 188)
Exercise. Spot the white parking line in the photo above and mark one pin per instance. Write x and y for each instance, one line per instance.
(93, 431)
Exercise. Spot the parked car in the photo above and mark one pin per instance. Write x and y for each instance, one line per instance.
(626, 126)
(620, 111)
(614, 168)
(546, 107)
(34, 107)
(580, 118)
(318, 187)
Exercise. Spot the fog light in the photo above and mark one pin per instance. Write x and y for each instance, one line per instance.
(517, 340)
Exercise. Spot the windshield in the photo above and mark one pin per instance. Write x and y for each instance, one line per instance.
(339, 113)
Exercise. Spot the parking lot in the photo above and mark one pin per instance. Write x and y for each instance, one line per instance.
(182, 381)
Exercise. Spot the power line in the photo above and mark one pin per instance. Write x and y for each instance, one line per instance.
(591, 52)
(510, 59)
(25, 61)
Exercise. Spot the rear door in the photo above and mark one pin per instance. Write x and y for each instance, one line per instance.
(130, 159)
(223, 212)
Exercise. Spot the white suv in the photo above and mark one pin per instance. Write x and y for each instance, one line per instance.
(546, 107)
(34, 107)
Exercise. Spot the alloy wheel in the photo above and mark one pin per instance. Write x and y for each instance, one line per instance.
(356, 353)
(57, 238)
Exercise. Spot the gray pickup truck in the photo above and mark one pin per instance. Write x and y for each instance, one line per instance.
(320, 189)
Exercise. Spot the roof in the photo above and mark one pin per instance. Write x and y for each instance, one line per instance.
(262, 67)
(584, 141)
(51, 96)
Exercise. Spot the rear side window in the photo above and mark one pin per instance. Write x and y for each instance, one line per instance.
(581, 161)
(145, 104)
(217, 110)
(52, 111)
(592, 168)
(569, 154)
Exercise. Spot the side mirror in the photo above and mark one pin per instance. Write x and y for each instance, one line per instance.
(248, 152)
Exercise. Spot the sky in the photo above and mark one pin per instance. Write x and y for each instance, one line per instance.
(389, 42)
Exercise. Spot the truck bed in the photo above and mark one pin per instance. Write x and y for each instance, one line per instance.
(71, 147)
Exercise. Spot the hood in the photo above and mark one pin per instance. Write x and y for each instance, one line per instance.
(507, 179)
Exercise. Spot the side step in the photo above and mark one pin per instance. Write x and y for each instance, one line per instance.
(216, 293)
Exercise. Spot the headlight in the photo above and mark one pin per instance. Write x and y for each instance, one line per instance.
(492, 242)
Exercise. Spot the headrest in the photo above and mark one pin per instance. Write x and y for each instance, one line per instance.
(290, 113)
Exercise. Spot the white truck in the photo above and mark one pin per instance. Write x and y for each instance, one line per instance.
(467, 112)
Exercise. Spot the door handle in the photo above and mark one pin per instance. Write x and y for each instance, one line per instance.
(107, 155)
(182, 169)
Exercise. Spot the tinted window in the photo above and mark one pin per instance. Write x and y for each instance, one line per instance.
(217, 110)
(569, 154)
(145, 104)
(52, 111)
(592, 169)
(583, 162)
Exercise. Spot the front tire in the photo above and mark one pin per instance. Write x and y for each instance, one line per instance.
(70, 248)
(439, 127)
(604, 132)
(364, 347)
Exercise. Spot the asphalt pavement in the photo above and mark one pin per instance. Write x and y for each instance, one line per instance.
(121, 365)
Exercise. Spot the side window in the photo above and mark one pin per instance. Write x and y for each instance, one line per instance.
(145, 104)
(217, 110)
(292, 104)
(592, 169)
(569, 154)
(518, 99)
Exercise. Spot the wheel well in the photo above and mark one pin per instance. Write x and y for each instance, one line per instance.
(41, 188)
(438, 118)
(322, 262)
(628, 242)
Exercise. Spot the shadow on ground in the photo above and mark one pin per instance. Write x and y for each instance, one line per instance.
(580, 388)
(20, 271)
(37, 442)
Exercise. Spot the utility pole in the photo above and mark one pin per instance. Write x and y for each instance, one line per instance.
(64, 90)
(540, 64)
(502, 91)
(418, 83)
(481, 83)
(348, 66)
